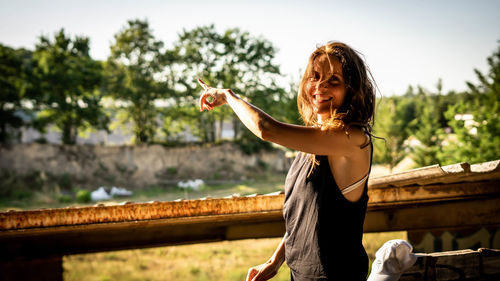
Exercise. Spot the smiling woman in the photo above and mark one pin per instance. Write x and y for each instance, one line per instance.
(326, 186)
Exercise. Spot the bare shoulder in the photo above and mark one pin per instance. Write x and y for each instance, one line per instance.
(351, 168)
(357, 137)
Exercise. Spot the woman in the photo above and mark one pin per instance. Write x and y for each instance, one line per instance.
(326, 186)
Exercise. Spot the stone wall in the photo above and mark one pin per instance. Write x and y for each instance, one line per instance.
(136, 166)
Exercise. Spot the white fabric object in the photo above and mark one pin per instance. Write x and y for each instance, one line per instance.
(119, 191)
(99, 194)
(391, 260)
(191, 184)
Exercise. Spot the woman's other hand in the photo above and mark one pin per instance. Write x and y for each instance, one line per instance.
(262, 272)
(211, 97)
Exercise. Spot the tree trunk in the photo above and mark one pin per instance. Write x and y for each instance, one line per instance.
(3, 133)
(221, 124)
(67, 134)
(236, 127)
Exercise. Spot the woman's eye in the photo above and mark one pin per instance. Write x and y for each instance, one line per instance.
(314, 77)
(334, 81)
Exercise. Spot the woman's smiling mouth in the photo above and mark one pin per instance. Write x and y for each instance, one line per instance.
(322, 98)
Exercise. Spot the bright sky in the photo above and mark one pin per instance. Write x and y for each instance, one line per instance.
(404, 42)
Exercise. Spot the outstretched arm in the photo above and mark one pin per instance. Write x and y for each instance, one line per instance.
(307, 139)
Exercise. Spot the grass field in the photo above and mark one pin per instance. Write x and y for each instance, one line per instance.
(220, 261)
(36, 199)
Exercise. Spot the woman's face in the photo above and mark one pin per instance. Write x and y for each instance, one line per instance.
(326, 86)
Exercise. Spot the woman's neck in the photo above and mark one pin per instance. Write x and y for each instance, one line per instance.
(322, 118)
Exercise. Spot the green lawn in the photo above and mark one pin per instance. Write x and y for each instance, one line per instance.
(219, 261)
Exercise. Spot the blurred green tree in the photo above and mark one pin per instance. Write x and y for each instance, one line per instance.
(134, 79)
(478, 139)
(426, 128)
(64, 84)
(393, 117)
(233, 59)
(12, 77)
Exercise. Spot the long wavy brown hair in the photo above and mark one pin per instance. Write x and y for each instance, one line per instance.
(358, 108)
(359, 102)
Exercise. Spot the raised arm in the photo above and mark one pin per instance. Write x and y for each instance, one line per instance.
(307, 139)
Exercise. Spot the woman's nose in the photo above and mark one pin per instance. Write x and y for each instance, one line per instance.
(322, 83)
(321, 86)
(318, 87)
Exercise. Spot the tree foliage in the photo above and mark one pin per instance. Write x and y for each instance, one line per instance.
(394, 116)
(65, 85)
(133, 76)
(425, 128)
(12, 77)
(479, 139)
(233, 59)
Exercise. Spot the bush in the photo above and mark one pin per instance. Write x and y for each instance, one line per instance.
(83, 196)
(172, 170)
(62, 198)
(65, 182)
(21, 194)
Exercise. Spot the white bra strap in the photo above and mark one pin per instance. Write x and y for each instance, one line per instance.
(354, 185)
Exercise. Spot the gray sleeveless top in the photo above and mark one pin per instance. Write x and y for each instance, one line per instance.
(324, 231)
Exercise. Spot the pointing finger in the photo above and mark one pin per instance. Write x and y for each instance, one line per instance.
(202, 84)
